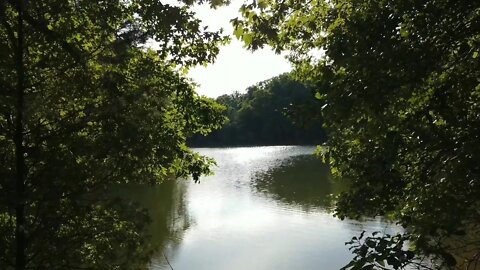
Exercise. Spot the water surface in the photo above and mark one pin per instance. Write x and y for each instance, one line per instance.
(265, 208)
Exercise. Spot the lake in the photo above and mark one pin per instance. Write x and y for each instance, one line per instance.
(265, 208)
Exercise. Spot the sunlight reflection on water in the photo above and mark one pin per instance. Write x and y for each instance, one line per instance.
(265, 208)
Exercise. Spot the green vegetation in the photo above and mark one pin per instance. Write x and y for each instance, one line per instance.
(399, 82)
(83, 106)
(279, 111)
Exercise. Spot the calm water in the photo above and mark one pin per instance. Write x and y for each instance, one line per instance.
(265, 208)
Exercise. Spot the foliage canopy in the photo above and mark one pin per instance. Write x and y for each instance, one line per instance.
(400, 86)
(84, 106)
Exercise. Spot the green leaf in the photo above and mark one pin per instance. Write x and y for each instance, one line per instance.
(238, 32)
(247, 38)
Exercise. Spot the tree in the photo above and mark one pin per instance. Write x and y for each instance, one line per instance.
(269, 113)
(84, 106)
(399, 82)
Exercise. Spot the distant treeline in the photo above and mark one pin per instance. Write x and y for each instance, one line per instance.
(279, 111)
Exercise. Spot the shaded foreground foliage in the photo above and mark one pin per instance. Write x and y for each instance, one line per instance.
(399, 82)
(278, 111)
(84, 106)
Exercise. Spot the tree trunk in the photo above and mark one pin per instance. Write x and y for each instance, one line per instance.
(20, 238)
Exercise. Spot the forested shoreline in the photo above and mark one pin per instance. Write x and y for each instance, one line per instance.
(278, 111)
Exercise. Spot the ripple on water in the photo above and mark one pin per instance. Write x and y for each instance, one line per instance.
(265, 208)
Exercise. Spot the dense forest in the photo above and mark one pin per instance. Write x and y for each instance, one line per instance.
(279, 111)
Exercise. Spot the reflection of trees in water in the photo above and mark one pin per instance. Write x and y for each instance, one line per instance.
(167, 209)
(300, 180)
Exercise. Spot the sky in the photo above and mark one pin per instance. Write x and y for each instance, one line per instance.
(235, 68)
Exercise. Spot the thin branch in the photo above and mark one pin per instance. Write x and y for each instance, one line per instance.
(166, 259)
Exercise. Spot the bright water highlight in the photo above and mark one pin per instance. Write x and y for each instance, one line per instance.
(265, 208)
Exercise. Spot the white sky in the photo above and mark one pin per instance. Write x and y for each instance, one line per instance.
(235, 68)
